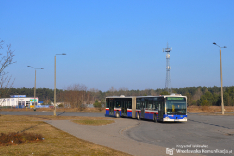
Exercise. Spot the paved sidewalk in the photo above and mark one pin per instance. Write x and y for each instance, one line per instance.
(112, 135)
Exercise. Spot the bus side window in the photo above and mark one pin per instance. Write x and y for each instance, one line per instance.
(138, 105)
(111, 106)
(118, 104)
(149, 106)
(107, 103)
(129, 104)
(155, 105)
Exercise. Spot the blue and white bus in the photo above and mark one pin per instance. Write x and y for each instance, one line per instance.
(163, 108)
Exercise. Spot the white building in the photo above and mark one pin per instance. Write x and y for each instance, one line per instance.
(18, 101)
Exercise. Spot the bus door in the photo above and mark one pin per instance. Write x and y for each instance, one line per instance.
(124, 108)
(111, 109)
(142, 109)
(160, 110)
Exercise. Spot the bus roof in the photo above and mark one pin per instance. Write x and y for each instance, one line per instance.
(172, 95)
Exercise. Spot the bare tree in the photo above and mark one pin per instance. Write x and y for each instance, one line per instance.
(112, 91)
(5, 60)
(75, 96)
(94, 94)
(197, 94)
(123, 91)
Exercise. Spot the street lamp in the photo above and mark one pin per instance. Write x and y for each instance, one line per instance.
(221, 78)
(35, 84)
(55, 82)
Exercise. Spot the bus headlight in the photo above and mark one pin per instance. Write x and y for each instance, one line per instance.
(166, 118)
(185, 118)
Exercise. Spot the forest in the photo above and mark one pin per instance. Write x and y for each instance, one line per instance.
(76, 95)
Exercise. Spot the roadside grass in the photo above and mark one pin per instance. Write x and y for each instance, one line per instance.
(217, 113)
(210, 109)
(56, 142)
(93, 122)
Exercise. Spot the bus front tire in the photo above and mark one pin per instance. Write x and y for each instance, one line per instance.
(138, 116)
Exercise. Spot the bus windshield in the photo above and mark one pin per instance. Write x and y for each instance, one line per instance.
(176, 105)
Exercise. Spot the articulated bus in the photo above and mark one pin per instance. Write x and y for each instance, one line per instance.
(163, 108)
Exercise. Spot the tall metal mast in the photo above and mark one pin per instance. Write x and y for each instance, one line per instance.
(168, 68)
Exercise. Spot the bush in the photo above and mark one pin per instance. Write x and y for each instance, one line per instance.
(18, 138)
(60, 105)
(98, 105)
(82, 107)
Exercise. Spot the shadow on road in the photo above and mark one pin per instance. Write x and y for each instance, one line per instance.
(61, 113)
(208, 124)
(145, 120)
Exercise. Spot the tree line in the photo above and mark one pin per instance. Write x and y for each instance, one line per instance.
(77, 95)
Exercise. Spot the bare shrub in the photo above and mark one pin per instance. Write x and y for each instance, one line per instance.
(19, 138)
(205, 108)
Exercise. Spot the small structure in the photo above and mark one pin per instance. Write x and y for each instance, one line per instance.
(18, 101)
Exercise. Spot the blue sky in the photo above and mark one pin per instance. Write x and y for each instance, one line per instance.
(119, 42)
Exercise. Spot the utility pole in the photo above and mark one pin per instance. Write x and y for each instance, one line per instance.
(55, 82)
(221, 78)
(35, 86)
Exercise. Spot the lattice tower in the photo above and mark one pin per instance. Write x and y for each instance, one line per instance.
(168, 68)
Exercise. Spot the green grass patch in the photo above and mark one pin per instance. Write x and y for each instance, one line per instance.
(94, 122)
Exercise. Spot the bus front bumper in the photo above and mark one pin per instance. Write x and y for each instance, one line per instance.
(167, 119)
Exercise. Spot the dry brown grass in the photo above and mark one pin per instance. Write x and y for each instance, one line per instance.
(56, 142)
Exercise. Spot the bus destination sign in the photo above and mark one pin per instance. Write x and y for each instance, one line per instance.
(175, 98)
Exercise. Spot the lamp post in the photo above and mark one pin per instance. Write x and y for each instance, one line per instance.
(55, 82)
(221, 78)
(35, 84)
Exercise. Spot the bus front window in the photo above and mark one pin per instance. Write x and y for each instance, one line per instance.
(176, 106)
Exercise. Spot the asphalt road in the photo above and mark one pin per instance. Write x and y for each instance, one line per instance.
(211, 132)
(215, 132)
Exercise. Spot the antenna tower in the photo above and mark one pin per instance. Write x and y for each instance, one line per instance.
(168, 68)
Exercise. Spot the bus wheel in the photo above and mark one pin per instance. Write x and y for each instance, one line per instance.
(117, 114)
(155, 118)
(138, 116)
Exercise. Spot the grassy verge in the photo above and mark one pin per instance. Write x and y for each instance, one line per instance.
(56, 142)
(210, 109)
(217, 113)
(93, 122)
